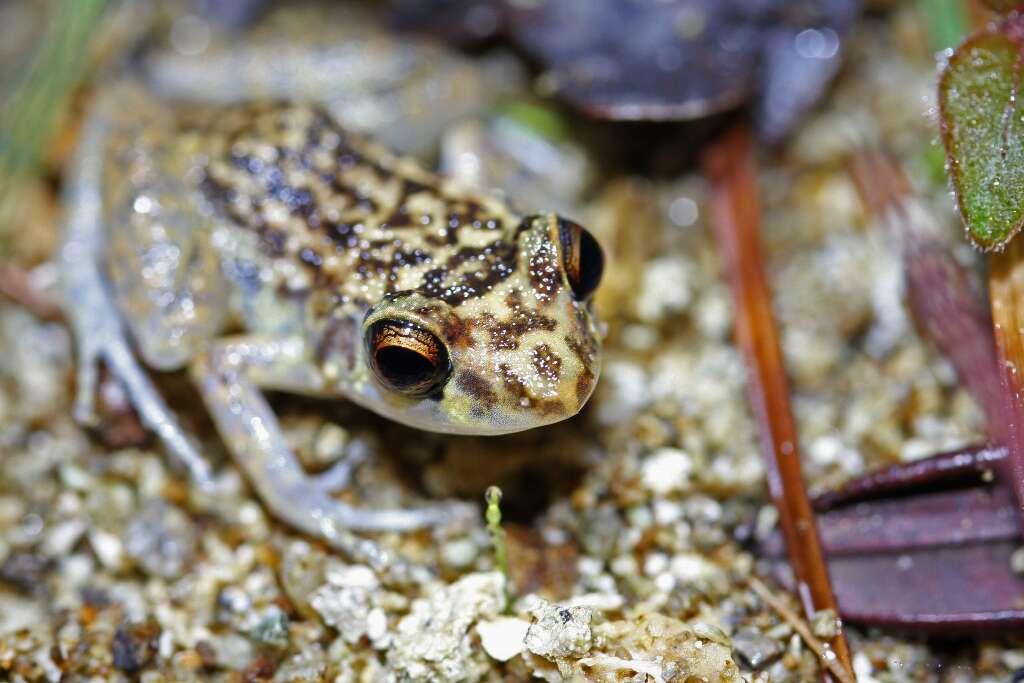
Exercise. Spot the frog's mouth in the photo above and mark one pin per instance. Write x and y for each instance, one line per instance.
(494, 424)
(468, 406)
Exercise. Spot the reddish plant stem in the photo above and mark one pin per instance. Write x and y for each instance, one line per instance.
(729, 165)
(946, 308)
(1006, 295)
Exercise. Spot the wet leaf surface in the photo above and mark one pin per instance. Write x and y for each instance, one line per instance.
(983, 131)
(926, 545)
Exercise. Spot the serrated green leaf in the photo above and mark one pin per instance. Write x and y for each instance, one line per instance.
(983, 132)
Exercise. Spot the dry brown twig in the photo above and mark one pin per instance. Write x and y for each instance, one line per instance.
(825, 654)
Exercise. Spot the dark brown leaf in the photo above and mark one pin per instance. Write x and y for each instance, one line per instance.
(662, 61)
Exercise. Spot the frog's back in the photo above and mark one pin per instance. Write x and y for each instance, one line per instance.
(334, 212)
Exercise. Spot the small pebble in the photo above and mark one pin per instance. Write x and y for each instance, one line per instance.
(459, 553)
(825, 624)
(161, 539)
(503, 638)
(667, 470)
(559, 631)
(329, 445)
(1017, 561)
(25, 571)
(756, 649)
(108, 548)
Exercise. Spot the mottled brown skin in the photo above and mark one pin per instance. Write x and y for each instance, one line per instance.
(299, 228)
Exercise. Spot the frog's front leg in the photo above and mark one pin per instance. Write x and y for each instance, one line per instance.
(230, 376)
(93, 314)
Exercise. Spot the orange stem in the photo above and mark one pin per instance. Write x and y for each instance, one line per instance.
(735, 214)
(1006, 295)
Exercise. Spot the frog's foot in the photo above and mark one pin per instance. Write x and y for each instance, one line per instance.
(230, 377)
(94, 319)
(336, 478)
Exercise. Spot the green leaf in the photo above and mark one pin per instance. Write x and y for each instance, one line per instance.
(543, 121)
(983, 132)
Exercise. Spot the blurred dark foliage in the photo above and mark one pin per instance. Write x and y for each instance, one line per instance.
(661, 61)
(467, 23)
(231, 13)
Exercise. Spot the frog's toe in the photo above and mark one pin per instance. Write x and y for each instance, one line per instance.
(334, 514)
(337, 477)
(86, 381)
(112, 349)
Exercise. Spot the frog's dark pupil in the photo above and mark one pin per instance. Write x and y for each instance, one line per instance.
(582, 258)
(591, 263)
(405, 369)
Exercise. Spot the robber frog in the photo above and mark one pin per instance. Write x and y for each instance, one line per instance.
(340, 270)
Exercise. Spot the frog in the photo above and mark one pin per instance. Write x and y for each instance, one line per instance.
(262, 246)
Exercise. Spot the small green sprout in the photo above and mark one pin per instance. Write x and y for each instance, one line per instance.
(543, 121)
(498, 536)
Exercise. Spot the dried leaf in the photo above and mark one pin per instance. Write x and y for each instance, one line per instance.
(983, 130)
(680, 59)
(661, 61)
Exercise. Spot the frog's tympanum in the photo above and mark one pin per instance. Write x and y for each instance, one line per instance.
(265, 248)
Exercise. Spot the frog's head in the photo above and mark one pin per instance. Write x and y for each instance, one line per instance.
(500, 339)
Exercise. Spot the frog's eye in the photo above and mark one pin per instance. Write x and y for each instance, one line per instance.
(406, 358)
(582, 258)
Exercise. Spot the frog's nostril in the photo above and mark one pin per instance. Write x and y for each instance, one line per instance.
(582, 258)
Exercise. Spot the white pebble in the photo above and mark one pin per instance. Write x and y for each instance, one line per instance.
(600, 602)
(502, 638)
(667, 470)
(665, 582)
(459, 553)
(689, 567)
(1017, 561)
(655, 563)
(589, 566)
(351, 576)
(666, 512)
(624, 565)
(330, 443)
(376, 625)
(108, 548)
(62, 537)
